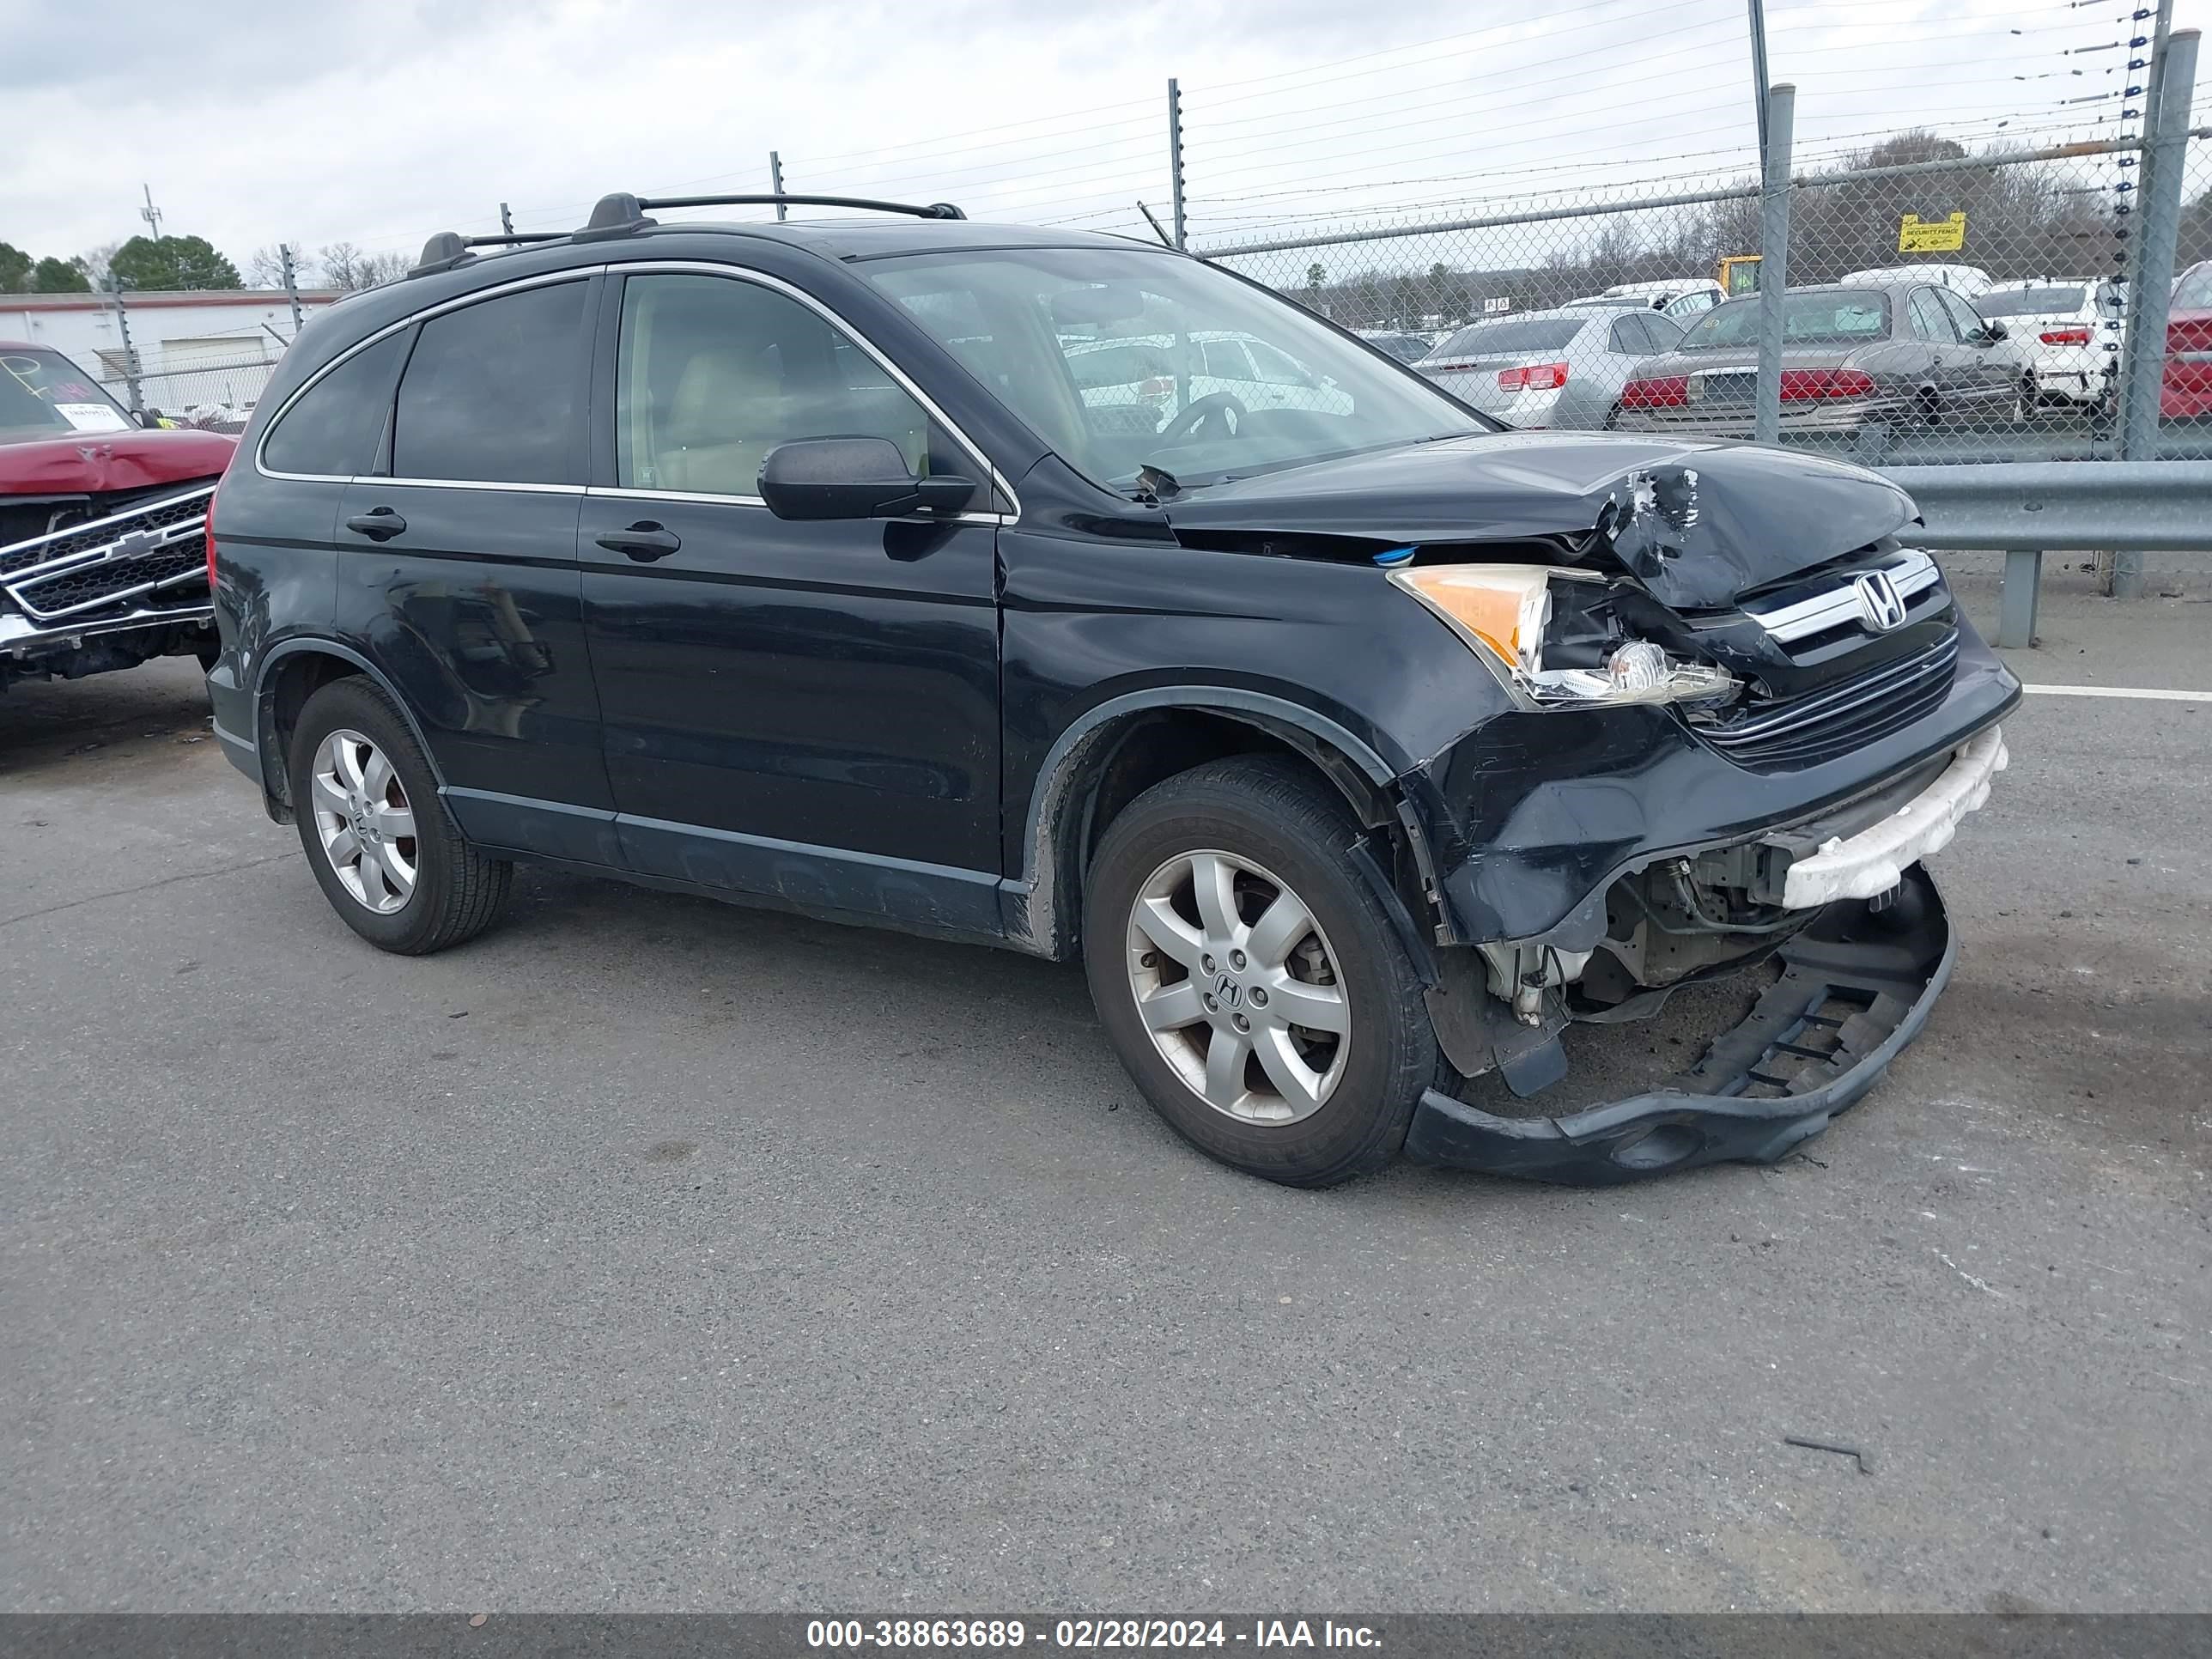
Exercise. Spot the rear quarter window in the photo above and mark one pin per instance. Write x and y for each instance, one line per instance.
(494, 392)
(336, 426)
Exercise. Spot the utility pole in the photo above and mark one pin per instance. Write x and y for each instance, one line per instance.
(291, 284)
(776, 179)
(505, 221)
(1174, 159)
(1759, 70)
(151, 214)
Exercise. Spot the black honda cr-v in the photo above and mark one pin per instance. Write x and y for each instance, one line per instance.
(1062, 593)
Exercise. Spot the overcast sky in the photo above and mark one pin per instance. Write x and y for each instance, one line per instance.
(378, 124)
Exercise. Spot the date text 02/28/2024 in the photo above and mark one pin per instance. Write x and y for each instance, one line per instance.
(1086, 1634)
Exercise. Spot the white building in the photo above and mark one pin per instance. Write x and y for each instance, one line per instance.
(211, 349)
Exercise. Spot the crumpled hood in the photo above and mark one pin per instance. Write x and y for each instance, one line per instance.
(95, 462)
(1700, 521)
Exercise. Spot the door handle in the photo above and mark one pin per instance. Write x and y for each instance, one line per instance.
(379, 524)
(644, 541)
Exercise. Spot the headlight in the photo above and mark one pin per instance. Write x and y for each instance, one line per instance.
(1505, 612)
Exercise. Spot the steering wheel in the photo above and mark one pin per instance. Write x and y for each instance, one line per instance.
(1222, 406)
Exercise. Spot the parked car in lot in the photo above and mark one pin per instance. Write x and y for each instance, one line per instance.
(1970, 279)
(1907, 354)
(1162, 374)
(101, 523)
(1406, 348)
(2185, 386)
(1551, 369)
(1681, 298)
(1356, 748)
(2067, 334)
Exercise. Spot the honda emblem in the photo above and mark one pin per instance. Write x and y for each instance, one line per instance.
(1879, 603)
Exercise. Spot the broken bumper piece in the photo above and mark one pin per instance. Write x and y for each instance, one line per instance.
(1857, 986)
(1874, 860)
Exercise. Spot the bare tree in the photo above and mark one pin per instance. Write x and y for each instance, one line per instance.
(264, 267)
(348, 269)
(93, 262)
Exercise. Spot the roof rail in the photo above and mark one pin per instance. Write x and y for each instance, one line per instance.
(448, 248)
(621, 213)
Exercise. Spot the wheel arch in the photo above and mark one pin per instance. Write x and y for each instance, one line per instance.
(290, 672)
(1098, 765)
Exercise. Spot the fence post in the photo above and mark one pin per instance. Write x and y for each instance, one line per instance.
(1175, 158)
(776, 179)
(129, 351)
(1773, 264)
(2016, 605)
(291, 284)
(2166, 156)
(505, 221)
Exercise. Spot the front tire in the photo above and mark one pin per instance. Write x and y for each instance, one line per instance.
(1250, 980)
(384, 848)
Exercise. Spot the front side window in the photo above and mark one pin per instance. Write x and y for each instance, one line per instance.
(494, 392)
(1926, 318)
(1964, 317)
(713, 372)
(334, 428)
(44, 395)
(1044, 312)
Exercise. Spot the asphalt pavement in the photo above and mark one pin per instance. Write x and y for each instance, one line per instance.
(654, 1253)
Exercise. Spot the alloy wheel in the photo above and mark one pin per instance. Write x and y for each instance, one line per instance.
(1238, 987)
(364, 821)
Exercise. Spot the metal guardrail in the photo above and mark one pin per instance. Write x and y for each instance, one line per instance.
(2027, 508)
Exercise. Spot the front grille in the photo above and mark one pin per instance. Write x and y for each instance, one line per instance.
(147, 554)
(1785, 735)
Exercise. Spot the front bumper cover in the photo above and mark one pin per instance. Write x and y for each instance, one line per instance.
(1858, 985)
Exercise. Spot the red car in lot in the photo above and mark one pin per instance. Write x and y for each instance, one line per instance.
(103, 527)
(2186, 389)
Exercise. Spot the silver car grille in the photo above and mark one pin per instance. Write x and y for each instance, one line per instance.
(1852, 598)
(145, 555)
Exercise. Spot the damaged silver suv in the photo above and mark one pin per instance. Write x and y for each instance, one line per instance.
(965, 580)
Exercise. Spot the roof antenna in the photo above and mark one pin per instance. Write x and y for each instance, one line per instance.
(1155, 224)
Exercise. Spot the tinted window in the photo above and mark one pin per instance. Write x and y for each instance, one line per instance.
(337, 423)
(1963, 316)
(1505, 339)
(2032, 301)
(1631, 339)
(715, 372)
(494, 392)
(1811, 316)
(1666, 334)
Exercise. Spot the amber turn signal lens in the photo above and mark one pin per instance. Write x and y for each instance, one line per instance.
(1503, 606)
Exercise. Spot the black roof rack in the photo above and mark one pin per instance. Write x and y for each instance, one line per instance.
(621, 213)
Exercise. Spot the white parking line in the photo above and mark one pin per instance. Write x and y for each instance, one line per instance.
(2120, 692)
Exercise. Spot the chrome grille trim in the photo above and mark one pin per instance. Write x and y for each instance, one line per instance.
(1805, 730)
(1911, 573)
(90, 567)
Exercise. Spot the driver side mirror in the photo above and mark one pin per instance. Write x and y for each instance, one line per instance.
(1992, 332)
(816, 478)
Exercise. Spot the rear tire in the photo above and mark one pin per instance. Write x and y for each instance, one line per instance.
(1305, 1105)
(384, 848)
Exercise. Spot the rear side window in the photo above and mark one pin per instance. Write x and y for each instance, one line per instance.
(335, 426)
(494, 392)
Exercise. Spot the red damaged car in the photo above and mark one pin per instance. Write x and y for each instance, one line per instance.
(2186, 391)
(103, 527)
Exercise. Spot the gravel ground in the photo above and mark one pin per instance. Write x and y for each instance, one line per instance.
(652, 1254)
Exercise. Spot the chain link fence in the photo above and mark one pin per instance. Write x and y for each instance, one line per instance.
(1940, 305)
(211, 397)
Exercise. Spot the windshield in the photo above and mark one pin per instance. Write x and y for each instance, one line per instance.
(44, 395)
(1809, 317)
(1122, 359)
(1493, 339)
(2032, 301)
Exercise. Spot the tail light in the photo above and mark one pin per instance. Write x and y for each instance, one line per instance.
(1800, 385)
(1537, 377)
(2065, 337)
(209, 522)
(1667, 391)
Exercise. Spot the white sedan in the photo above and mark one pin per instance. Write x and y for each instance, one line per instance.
(2067, 331)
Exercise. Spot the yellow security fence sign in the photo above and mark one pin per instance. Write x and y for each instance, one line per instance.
(1937, 236)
